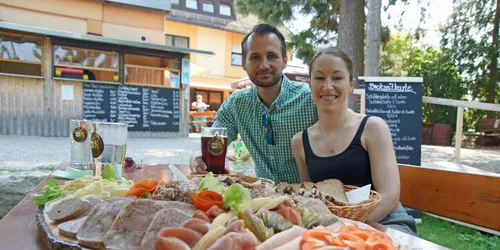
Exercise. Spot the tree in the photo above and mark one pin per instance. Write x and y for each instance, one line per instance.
(373, 38)
(402, 57)
(470, 40)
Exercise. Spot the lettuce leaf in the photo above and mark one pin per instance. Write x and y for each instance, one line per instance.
(236, 197)
(50, 192)
(108, 172)
(210, 183)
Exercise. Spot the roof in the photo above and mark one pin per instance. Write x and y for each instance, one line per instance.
(98, 39)
(242, 24)
(211, 82)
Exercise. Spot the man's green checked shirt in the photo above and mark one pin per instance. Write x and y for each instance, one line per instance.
(291, 112)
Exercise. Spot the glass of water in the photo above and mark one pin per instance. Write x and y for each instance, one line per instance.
(81, 157)
(109, 145)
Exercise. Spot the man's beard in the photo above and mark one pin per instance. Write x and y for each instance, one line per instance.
(275, 80)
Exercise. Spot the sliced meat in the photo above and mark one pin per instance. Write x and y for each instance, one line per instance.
(202, 216)
(188, 236)
(197, 225)
(244, 240)
(171, 217)
(171, 243)
(292, 215)
(185, 207)
(213, 212)
(70, 228)
(131, 224)
(235, 226)
(313, 205)
(98, 222)
(282, 238)
(69, 209)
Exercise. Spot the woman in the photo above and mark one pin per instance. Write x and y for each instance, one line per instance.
(199, 106)
(351, 147)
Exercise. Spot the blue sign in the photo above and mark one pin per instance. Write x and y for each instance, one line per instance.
(186, 78)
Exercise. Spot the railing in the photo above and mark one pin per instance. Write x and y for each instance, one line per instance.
(447, 102)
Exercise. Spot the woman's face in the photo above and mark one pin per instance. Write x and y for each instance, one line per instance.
(330, 85)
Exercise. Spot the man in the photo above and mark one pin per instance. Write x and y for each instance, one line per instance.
(199, 106)
(268, 114)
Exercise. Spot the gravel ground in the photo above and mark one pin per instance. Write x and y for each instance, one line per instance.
(24, 160)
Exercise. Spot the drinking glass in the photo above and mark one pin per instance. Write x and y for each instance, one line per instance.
(109, 145)
(81, 157)
(213, 148)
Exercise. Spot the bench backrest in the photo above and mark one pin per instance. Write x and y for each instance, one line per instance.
(488, 125)
(469, 198)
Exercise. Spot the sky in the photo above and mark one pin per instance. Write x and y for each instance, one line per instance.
(437, 13)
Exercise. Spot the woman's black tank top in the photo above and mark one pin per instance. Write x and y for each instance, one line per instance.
(352, 166)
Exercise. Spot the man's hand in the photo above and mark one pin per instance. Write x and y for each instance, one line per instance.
(199, 167)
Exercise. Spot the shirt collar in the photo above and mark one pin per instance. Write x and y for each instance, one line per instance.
(285, 82)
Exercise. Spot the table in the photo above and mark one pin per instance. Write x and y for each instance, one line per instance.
(19, 231)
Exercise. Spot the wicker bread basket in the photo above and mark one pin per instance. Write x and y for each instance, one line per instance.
(357, 212)
(243, 178)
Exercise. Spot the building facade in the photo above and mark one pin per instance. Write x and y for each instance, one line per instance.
(98, 60)
(215, 26)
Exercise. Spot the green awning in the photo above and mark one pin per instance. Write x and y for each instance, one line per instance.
(99, 39)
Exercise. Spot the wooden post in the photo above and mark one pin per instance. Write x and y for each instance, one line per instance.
(362, 109)
(458, 134)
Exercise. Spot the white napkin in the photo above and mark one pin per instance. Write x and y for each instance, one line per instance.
(178, 175)
(359, 194)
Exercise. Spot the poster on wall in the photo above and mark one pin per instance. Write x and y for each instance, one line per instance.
(185, 72)
(174, 81)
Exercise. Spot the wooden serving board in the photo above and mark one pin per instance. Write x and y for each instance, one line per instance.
(50, 235)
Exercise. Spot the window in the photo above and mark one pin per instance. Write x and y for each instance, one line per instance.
(174, 1)
(192, 4)
(225, 9)
(177, 41)
(152, 71)
(236, 59)
(87, 64)
(20, 55)
(208, 6)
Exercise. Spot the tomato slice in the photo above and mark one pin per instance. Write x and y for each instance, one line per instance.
(206, 199)
(149, 184)
(137, 192)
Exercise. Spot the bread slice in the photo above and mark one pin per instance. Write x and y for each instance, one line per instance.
(69, 209)
(333, 188)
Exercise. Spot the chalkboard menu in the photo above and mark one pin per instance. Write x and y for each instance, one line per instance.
(130, 107)
(398, 101)
(99, 102)
(142, 108)
(164, 114)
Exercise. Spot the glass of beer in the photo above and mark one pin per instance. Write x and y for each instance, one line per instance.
(213, 148)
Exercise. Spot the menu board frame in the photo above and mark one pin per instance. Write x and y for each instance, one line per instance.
(398, 100)
(166, 109)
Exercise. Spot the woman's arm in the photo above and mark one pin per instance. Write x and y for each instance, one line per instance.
(384, 167)
(299, 155)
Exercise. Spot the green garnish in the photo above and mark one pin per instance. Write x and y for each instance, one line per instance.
(50, 192)
(108, 172)
(237, 197)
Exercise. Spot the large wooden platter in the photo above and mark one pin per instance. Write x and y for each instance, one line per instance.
(50, 235)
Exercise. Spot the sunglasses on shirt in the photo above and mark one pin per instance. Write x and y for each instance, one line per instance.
(269, 131)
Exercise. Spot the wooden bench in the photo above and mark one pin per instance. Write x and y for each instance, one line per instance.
(491, 130)
(208, 114)
(469, 198)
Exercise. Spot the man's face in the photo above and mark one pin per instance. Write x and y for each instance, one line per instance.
(264, 62)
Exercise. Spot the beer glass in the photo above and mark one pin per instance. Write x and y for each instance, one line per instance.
(81, 157)
(109, 145)
(213, 148)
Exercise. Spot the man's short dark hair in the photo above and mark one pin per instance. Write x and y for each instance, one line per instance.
(262, 29)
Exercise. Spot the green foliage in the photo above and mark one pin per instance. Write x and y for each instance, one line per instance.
(403, 57)
(323, 26)
(455, 236)
(467, 40)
